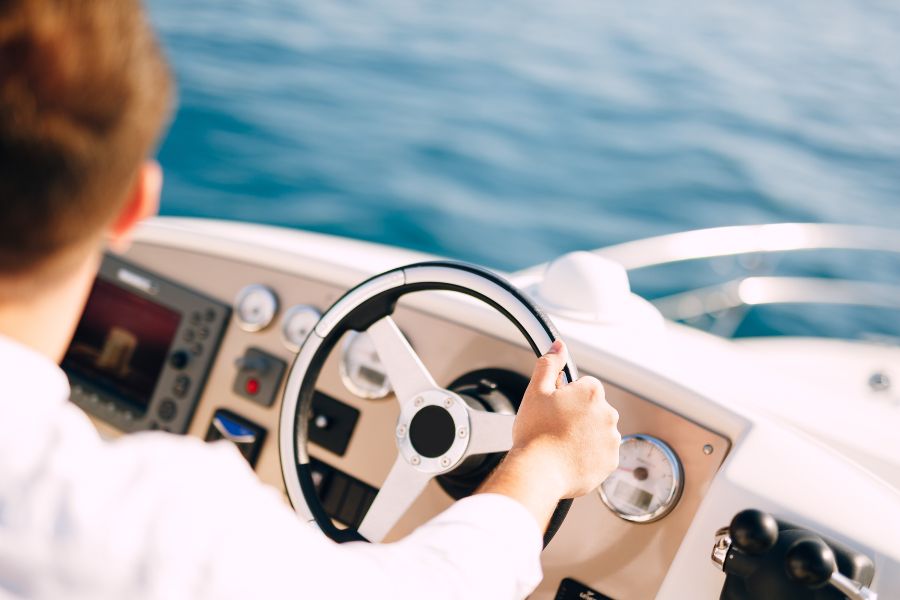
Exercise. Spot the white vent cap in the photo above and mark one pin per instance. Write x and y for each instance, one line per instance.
(587, 287)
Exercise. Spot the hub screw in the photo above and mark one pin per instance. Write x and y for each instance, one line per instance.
(463, 433)
(415, 460)
(448, 402)
(419, 401)
(880, 382)
(401, 430)
(445, 462)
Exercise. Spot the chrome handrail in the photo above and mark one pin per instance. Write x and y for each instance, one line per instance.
(744, 239)
(758, 291)
(750, 239)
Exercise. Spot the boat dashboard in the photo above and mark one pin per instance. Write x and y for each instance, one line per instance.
(195, 329)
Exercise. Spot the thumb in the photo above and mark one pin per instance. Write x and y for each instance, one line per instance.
(549, 367)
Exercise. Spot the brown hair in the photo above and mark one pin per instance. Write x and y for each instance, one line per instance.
(84, 94)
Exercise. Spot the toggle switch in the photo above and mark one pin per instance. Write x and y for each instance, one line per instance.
(259, 376)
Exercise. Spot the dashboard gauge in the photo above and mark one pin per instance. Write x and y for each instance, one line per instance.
(297, 324)
(648, 483)
(255, 307)
(361, 368)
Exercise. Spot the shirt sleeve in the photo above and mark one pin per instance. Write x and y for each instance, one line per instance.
(488, 542)
(486, 546)
(213, 530)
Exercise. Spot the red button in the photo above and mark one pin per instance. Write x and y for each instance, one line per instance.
(252, 386)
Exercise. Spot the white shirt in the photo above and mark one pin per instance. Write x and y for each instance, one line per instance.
(153, 515)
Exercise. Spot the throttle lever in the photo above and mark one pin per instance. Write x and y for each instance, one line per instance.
(811, 562)
(751, 531)
(755, 547)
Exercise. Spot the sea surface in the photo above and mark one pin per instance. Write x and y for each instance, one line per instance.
(507, 133)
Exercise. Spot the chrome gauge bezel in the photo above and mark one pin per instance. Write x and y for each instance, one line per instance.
(291, 314)
(674, 496)
(243, 295)
(348, 380)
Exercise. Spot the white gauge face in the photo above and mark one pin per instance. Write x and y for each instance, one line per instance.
(361, 368)
(255, 307)
(298, 323)
(648, 483)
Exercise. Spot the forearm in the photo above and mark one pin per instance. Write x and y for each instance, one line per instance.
(531, 476)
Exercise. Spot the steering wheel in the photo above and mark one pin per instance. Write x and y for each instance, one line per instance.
(437, 430)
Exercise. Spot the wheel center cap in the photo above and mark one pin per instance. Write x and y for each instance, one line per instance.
(432, 431)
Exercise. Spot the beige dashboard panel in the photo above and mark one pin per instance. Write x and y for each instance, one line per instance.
(621, 559)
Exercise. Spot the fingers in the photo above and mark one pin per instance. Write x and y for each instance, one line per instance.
(592, 387)
(594, 392)
(549, 366)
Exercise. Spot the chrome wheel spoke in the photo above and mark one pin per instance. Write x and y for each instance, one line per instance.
(404, 367)
(401, 488)
(491, 432)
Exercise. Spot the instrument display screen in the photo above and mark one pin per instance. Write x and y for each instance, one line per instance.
(121, 344)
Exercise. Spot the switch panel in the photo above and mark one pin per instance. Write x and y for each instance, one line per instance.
(331, 423)
(344, 498)
(570, 589)
(259, 376)
(247, 436)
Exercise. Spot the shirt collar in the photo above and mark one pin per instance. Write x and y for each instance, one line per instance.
(28, 376)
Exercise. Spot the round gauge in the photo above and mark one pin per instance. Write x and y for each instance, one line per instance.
(648, 483)
(298, 323)
(255, 307)
(361, 368)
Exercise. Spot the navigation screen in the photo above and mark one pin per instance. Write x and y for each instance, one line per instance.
(121, 344)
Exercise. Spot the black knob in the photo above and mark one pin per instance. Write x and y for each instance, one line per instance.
(179, 359)
(753, 531)
(811, 562)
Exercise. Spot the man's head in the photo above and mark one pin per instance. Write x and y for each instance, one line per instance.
(84, 94)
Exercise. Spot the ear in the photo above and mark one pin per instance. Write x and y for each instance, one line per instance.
(143, 202)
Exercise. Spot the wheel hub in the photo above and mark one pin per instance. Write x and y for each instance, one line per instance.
(433, 431)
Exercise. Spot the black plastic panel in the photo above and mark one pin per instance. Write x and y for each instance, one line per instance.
(247, 436)
(570, 589)
(332, 423)
(345, 498)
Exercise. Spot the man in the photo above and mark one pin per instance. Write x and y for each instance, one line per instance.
(84, 93)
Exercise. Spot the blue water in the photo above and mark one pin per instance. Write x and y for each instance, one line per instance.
(507, 133)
